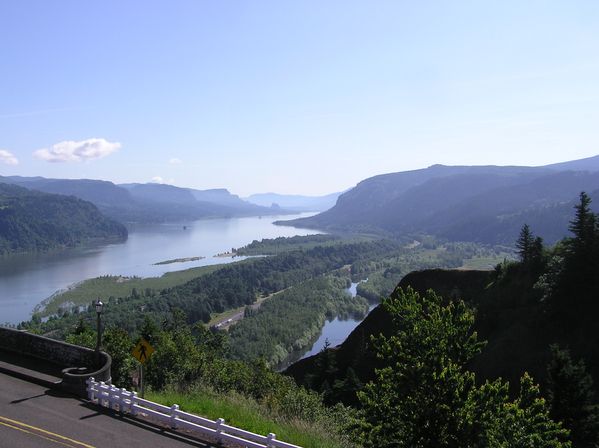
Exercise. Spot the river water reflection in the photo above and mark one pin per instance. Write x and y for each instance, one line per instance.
(26, 280)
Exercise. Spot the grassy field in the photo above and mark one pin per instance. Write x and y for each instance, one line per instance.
(247, 414)
(85, 292)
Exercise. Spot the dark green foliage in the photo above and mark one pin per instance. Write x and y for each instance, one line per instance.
(424, 396)
(521, 309)
(188, 359)
(524, 244)
(291, 319)
(117, 343)
(579, 278)
(232, 286)
(583, 226)
(177, 359)
(571, 398)
(33, 221)
(241, 283)
(282, 244)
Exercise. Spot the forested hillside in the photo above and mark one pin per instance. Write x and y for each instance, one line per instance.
(145, 202)
(484, 204)
(536, 316)
(34, 221)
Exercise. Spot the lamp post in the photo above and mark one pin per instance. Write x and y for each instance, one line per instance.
(99, 306)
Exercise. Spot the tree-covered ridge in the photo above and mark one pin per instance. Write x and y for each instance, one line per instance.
(34, 221)
(538, 315)
(232, 286)
(484, 204)
(273, 246)
(291, 319)
(242, 283)
(145, 202)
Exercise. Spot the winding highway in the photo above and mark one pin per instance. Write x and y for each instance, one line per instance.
(37, 417)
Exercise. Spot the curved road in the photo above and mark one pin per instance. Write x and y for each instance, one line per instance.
(33, 416)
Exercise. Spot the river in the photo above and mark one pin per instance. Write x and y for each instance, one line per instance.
(26, 280)
(335, 331)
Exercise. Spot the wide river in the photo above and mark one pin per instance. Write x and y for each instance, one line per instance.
(26, 280)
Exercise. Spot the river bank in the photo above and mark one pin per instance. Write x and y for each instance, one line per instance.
(27, 280)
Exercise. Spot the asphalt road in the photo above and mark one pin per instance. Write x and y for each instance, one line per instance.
(33, 416)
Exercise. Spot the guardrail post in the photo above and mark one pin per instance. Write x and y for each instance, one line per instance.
(133, 409)
(174, 409)
(90, 388)
(270, 438)
(101, 398)
(219, 430)
(110, 397)
(122, 399)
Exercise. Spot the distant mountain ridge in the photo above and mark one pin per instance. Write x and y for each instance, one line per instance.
(146, 202)
(487, 204)
(295, 202)
(35, 221)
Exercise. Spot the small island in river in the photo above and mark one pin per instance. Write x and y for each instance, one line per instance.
(179, 260)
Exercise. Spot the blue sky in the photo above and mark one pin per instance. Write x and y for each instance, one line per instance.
(293, 97)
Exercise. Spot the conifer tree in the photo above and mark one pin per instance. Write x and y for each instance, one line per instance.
(580, 279)
(524, 244)
(571, 398)
(583, 226)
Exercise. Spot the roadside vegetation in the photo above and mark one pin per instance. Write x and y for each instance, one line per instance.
(190, 367)
(257, 417)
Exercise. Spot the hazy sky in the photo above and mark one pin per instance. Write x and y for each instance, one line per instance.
(294, 97)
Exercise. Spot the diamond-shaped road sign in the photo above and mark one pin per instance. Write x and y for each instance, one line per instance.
(143, 351)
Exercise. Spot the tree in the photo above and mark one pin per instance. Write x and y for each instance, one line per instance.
(118, 344)
(579, 283)
(571, 398)
(325, 372)
(424, 397)
(530, 250)
(524, 244)
(537, 257)
(82, 335)
(583, 226)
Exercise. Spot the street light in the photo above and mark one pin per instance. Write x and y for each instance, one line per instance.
(99, 306)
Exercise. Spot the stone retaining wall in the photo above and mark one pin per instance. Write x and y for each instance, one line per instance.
(77, 363)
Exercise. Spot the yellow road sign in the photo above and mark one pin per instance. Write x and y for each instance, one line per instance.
(142, 351)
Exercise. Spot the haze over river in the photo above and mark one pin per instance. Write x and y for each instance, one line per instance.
(26, 280)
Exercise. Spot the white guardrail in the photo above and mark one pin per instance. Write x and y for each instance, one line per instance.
(125, 401)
